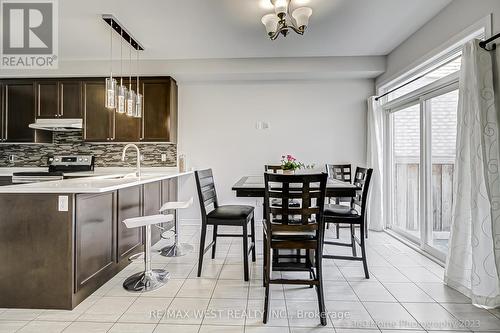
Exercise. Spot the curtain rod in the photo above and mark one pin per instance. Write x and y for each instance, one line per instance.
(482, 44)
(489, 40)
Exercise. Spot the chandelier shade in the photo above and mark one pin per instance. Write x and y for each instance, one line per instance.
(271, 23)
(301, 16)
(280, 7)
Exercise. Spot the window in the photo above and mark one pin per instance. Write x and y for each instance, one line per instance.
(450, 66)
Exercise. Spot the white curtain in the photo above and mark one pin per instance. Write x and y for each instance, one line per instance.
(473, 260)
(374, 147)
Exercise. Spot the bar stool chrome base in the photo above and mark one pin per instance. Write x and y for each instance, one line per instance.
(146, 281)
(176, 250)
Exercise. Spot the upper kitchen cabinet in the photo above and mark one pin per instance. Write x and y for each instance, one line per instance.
(159, 121)
(58, 99)
(127, 129)
(18, 111)
(98, 120)
(70, 99)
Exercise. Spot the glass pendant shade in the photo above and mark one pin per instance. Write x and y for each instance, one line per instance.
(122, 97)
(111, 92)
(280, 6)
(301, 16)
(131, 100)
(138, 106)
(271, 23)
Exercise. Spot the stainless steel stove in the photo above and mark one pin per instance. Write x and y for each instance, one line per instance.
(58, 167)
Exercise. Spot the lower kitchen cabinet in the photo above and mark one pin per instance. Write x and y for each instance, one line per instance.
(151, 206)
(95, 238)
(129, 206)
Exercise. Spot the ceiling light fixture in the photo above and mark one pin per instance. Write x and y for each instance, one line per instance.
(281, 22)
(126, 101)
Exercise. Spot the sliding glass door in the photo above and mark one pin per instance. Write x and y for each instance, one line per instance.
(422, 141)
(405, 170)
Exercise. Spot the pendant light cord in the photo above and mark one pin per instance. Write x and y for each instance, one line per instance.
(138, 89)
(121, 57)
(130, 65)
(111, 51)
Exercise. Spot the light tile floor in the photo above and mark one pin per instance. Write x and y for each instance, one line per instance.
(404, 294)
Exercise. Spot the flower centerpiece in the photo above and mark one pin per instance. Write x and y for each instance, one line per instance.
(290, 164)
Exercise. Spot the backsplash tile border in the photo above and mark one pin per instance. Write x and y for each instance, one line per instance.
(71, 143)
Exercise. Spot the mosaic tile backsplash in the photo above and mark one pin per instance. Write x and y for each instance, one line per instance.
(71, 143)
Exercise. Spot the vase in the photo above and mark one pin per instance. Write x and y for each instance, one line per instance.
(288, 172)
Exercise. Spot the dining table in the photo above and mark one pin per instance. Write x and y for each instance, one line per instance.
(253, 187)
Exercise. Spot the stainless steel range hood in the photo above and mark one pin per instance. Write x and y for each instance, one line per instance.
(58, 125)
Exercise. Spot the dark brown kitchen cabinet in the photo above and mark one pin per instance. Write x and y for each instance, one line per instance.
(151, 206)
(129, 206)
(47, 99)
(159, 121)
(95, 237)
(127, 129)
(70, 99)
(97, 119)
(18, 111)
(58, 99)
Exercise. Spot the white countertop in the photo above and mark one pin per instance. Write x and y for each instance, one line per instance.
(101, 180)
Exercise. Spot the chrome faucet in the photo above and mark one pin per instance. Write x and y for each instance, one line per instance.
(138, 168)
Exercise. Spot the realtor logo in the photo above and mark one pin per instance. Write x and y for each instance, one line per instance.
(29, 34)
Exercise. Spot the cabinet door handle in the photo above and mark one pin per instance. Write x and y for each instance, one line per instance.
(6, 115)
(61, 101)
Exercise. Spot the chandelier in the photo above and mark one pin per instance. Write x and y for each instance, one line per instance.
(281, 22)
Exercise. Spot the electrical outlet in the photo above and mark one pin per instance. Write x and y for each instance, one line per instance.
(63, 203)
(163, 157)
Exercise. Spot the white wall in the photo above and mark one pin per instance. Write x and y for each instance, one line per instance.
(317, 121)
(453, 19)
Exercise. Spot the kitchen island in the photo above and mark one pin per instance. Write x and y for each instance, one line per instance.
(61, 240)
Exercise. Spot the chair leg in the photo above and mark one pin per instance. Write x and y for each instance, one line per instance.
(337, 226)
(266, 254)
(267, 277)
(319, 287)
(214, 238)
(252, 225)
(309, 264)
(363, 252)
(245, 251)
(353, 241)
(202, 247)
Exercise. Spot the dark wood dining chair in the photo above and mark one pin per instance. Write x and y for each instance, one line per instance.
(353, 215)
(343, 173)
(295, 228)
(226, 215)
(292, 203)
(273, 168)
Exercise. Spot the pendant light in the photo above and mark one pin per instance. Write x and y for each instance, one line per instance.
(138, 98)
(111, 84)
(122, 90)
(131, 93)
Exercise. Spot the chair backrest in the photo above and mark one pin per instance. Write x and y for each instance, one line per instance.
(206, 190)
(272, 168)
(362, 179)
(339, 171)
(309, 190)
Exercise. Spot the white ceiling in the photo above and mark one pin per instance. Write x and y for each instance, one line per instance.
(200, 29)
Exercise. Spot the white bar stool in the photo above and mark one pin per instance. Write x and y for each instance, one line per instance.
(149, 279)
(177, 249)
